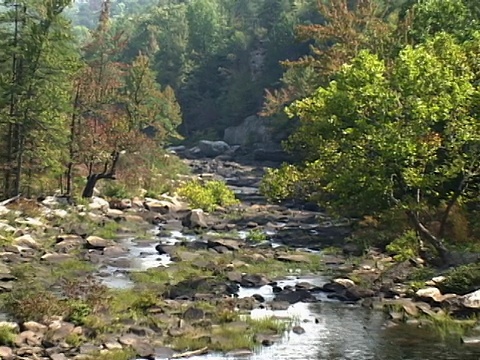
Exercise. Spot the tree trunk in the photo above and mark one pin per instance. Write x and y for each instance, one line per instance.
(429, 237)
(92, 178)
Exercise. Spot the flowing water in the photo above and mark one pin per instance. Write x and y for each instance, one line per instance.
(333, 330)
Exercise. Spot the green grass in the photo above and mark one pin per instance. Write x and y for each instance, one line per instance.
(108, 231)
(226, 337)
(7, 335)
(113, 355)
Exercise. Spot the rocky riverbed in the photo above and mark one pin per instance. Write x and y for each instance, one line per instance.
(152, 278)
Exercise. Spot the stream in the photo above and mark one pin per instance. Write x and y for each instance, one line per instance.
(333, 330)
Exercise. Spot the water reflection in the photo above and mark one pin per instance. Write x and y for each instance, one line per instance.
(346, 332)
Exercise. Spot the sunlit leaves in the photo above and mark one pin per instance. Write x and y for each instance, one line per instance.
(375, 123)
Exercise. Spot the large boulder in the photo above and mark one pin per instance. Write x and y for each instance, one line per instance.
(253, 130)
(212, 148)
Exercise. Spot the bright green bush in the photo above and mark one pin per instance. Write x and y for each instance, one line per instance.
(7, 335)
(280, 184)
(209, 195)
(404, 247)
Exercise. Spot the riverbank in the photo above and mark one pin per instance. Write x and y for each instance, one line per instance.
(152, 278)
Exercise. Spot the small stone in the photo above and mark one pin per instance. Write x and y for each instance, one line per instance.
(112, 345)
(298, 330)
(58, 357)
(193, 313)
(35, 327)
(6, 353)
(96, 242)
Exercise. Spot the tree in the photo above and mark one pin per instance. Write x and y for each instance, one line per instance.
(118, 107)
(39, 53)
(404, 135)
(346, 27)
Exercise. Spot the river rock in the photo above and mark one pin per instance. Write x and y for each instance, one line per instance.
(26, 241)
(97, 203)
(35, 327)
(346, 283)
(232, 245)
(6, 353)
(355, 293)
(253, 280)
(165, 249)
(122, 204)
(471, 301)
(429, 294)
(190, 287)
(28, 338)
(58, 356)
(279, 305)
(59, 330)
(212, 148)
(298, 330)
(296, 258)
(56, 257)
(164, 207)
(96, 242)
(195, 219)
(69, 243)
(293, 297)
(193, 313)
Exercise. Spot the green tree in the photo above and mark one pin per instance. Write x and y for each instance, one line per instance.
(38, 49)
(406, 135)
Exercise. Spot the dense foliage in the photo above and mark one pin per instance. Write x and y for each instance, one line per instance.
(382, 96)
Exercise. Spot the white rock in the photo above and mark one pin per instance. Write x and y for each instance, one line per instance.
(30, 221)
(4, 210)
(97, 203)
(344, 282)
(472, 300)
(54, 201)
(113, 213)
(60, 213)
(26, 241)
(6, 227)
(439, 279)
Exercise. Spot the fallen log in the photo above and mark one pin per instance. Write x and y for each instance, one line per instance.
(8, 201)
(187, 354)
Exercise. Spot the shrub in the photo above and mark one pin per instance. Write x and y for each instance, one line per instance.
(256, 236)
(280, 184)
(404, 247)
(33, 304)
(7, 335)
(209, 195)
(461, 280)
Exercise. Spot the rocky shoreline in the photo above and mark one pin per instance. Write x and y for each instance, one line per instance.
(56, 258)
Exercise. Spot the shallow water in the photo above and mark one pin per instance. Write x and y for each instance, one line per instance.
(348, 332)
(341, 332)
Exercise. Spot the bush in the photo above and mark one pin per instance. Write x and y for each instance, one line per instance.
(404, 247)
(280, 184)
(209, 195)
(7, 335)
(461, 280)
(256, 236)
